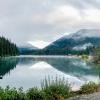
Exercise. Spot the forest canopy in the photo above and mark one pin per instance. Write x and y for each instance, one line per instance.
(7, 48)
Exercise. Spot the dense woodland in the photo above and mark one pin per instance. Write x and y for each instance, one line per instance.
(97, 55)
(58, 52)
(7, 48)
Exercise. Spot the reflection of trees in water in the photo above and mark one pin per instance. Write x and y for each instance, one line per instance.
(72, 66)
(6, 65)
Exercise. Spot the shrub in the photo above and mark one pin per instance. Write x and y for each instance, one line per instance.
(11, 94)
(34, 94)
(88, 88)
(57, 89)
(51, 89)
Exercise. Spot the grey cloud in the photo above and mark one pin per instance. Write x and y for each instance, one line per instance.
(94, 3)
(83, 4)
(24, 20)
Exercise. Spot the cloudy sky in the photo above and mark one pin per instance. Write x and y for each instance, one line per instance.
(46, 20)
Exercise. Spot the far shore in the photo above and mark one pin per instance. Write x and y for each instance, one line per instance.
(48, 56)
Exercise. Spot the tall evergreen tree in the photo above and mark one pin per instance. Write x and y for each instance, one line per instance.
(7, 48)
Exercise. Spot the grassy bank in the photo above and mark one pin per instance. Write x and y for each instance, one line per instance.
(58, 89)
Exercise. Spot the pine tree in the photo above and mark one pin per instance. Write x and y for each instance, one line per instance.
(7, 48)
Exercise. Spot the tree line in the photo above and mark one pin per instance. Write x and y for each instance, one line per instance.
(96, 57)
(7, 48)
(58, 52)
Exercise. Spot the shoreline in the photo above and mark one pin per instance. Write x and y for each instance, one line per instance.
(46, 56)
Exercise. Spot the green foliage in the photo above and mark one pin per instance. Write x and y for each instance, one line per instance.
(35, 94)
(65, 51)
(88, 88)
(96, 58)
(11, 94)
(7, 48)
(57, 89)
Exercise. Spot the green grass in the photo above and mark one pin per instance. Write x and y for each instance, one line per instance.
(56, 89)
(11, 94)
(90, 87)
(51, 89)
(35, 94)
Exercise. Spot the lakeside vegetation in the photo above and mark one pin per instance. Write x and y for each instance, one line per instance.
(96, 57)
(7, 48)
(58, 89)
(54, 89)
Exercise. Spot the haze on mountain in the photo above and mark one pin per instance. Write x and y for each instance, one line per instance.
(82, 33)
(81, 39)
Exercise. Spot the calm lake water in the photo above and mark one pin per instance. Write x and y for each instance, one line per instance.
(29, 71)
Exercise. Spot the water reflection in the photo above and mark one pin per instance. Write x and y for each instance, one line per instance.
(72, 66)
(6, 65)
(29, 71)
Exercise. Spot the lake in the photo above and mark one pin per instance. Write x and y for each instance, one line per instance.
(29, 71)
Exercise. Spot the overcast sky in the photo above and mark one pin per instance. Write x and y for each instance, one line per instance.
(30, 20)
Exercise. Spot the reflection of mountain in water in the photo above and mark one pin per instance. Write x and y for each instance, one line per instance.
(27, 61)
(6, 65)
(71, 66)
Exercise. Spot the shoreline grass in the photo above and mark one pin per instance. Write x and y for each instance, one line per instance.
(51, 89)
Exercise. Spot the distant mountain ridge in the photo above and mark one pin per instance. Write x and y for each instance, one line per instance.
(83, 37)
(75, 43)
(27, 48)
(86, 33)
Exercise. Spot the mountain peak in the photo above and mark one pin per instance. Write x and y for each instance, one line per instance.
(83, 37)
(82, 33)
(39, 44)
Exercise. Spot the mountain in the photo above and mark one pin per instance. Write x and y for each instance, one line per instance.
(81, 40)
(27, 49)
(83, 33)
